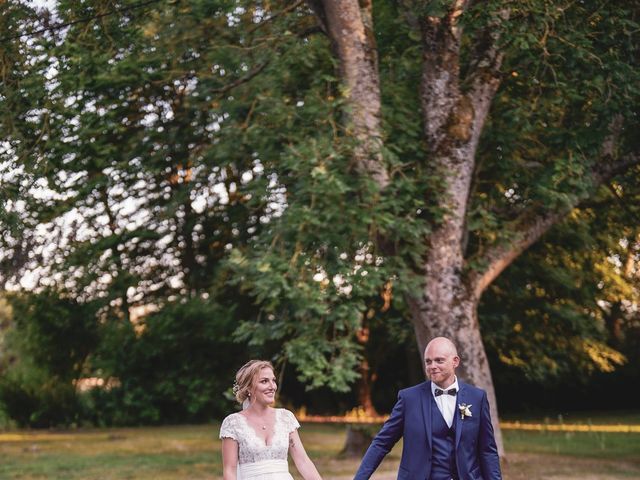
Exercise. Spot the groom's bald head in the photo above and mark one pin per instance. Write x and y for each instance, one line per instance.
(444, 344)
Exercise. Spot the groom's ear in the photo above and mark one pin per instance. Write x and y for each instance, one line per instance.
(456, 361)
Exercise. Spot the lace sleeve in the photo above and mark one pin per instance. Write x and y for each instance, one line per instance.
(229, 428)
(290, 421)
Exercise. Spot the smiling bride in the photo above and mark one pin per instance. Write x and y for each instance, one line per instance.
(256, 441)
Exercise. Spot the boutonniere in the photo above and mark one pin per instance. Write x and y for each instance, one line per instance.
(465, 410)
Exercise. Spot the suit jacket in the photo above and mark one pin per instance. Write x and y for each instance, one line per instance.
(476, 452)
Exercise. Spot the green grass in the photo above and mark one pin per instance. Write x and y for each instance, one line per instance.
(621, 446)
(193, 452)
(141, 453)
(583, 418)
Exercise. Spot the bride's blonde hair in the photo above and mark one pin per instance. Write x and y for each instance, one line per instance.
(245, 377)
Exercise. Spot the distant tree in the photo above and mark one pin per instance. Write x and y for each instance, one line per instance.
(122, 181)
(177, 366)
(5, 323)
(47, 344)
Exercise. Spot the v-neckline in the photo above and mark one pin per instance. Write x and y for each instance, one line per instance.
(255, 433)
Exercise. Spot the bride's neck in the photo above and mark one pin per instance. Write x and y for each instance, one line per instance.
(259, 409)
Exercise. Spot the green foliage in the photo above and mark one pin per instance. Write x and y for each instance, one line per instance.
(48, 341)
(164, 154)
(316, 270)
(565, 307)
(175, 367)
(180, 170)
(31, 397)
(55, 331)
(570, 69)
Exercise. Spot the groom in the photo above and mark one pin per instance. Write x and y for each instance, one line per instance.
(445, 424)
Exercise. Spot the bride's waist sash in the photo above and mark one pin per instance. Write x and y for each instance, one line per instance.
(263, 467)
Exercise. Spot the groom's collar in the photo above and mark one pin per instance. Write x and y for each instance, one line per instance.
(429, 386)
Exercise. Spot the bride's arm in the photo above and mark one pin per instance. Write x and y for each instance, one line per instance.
(229, 459)
(303, 463)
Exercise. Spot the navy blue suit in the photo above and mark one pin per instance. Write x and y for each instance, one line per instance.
(472, 443)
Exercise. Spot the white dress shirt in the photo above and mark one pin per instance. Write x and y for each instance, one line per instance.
(446, 403)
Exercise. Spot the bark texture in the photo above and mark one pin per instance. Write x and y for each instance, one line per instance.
(453, 122)
(349, 24)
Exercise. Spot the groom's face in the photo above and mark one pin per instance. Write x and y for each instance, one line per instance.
(440, 364)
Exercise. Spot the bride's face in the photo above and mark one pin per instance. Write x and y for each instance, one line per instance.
(264, 387)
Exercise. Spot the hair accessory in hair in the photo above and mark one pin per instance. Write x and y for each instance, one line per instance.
(236, 388)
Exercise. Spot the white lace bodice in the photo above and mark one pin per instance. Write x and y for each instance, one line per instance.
(252, 448)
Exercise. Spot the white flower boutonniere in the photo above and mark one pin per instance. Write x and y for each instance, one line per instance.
(465, 410)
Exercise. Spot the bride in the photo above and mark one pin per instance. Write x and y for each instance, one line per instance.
(255, 441)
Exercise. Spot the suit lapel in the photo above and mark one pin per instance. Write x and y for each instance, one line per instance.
(461, 398)
(426, 410)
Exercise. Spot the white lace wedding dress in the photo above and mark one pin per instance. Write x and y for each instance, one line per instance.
(257, 459)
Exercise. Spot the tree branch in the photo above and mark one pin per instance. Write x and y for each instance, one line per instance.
(318, 9)
(440, 85)
(244, 79)
(484, 74)
(531, 226)
(291, 7)
(350, 26)
(605, 172)
(499, 257)
(487, 56)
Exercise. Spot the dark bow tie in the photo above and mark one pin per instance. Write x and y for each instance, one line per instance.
(451, 391)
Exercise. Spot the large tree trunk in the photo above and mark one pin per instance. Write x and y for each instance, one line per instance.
(456, 318)
(349, 25)
(453, 122)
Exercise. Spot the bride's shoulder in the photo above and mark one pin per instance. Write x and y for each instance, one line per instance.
(285, 412)
(232, 418)
(289, 418)
(230, 426)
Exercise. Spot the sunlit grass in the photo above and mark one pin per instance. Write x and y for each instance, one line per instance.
(140, 453)
(193, 452)
(622, 446)
(578, 418)
(564, 427)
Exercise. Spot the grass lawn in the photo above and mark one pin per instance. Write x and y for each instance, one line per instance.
(579, 418)
(193, 452)
(571, 455)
